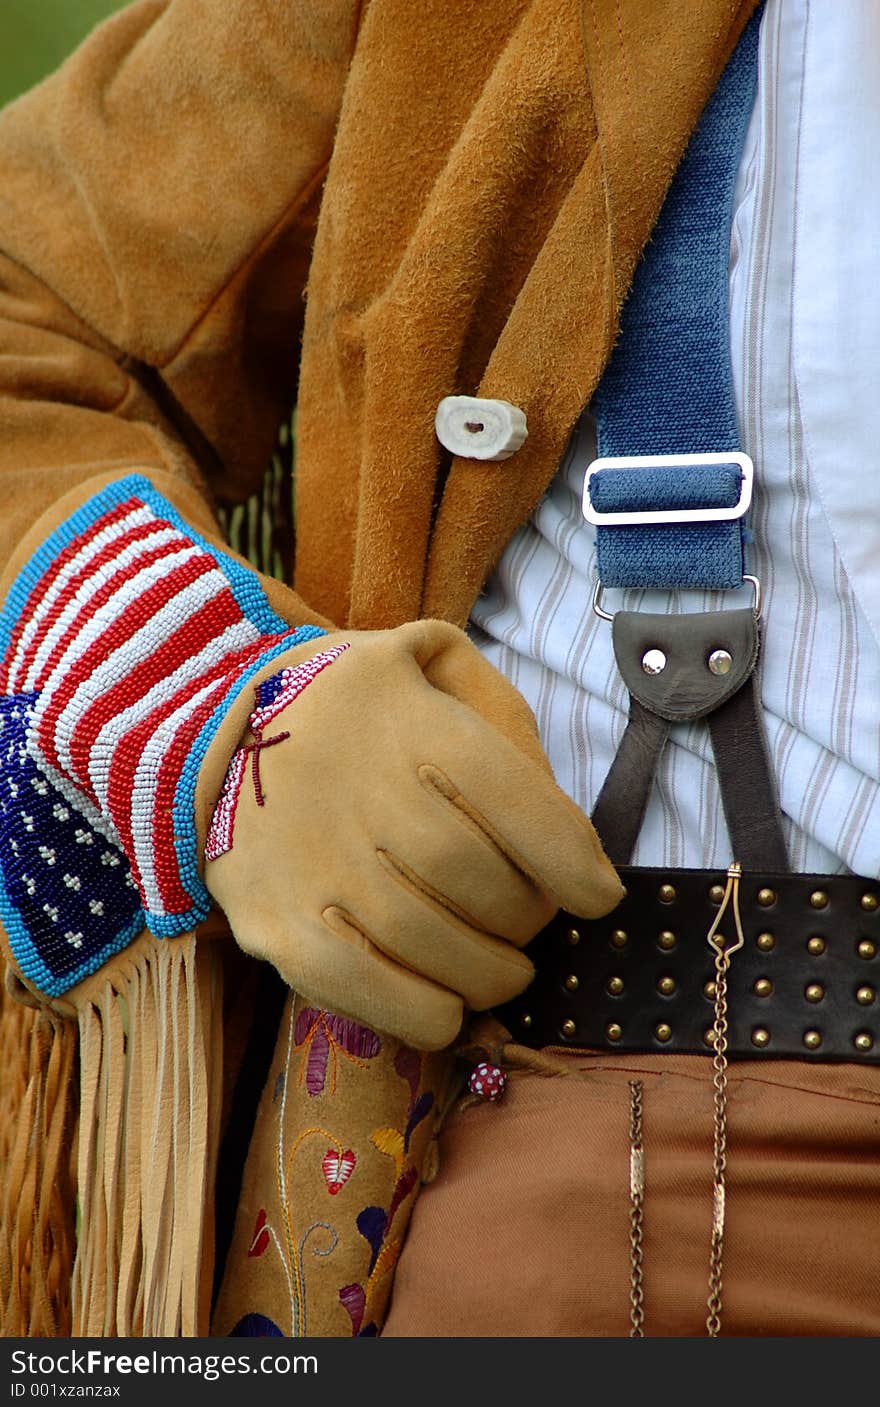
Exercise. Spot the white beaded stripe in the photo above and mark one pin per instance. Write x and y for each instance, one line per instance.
(143, 825)
(136, 518)
(128, 656)
(234, 638)
(88, 589)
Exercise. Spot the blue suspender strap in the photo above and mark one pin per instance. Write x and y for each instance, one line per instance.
(675, 519)
(670, 490)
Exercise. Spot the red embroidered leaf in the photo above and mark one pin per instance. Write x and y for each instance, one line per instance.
(408, 1064)
(353, 1298)
(405, 1185)
(337, 1169)
(355, 1039)
(260, 1237)
(316, 1064)
(306, 1021)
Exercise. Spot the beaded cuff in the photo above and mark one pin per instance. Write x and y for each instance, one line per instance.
(122, 644)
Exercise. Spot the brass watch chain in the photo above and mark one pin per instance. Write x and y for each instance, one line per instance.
(723, 955)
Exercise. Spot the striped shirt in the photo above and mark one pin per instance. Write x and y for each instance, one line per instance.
(806, 358)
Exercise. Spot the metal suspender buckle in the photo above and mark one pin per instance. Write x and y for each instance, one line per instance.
(753, 582)
(661, 516)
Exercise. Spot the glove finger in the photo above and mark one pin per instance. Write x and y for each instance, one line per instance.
(476, 770)
(334, 965)
(455, 860)
(408, 923)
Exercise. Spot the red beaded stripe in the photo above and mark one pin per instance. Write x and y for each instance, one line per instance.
(190, 639)
(10, 684)
(102, 591)
(119, 632)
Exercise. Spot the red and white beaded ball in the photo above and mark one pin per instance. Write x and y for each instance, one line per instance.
(487, 1081)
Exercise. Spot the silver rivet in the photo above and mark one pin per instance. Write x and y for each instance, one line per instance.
(653, 661)
(720, 661)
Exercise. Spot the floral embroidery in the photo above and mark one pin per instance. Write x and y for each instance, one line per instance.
(337, 1169)
(375, 1224)
(255, 1326)
(260, 1237)
(323, 1037)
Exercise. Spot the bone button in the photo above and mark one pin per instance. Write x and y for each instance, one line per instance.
(477, 428)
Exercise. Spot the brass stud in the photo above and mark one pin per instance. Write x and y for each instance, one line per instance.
(865, 996)
(812, 1039)
(666, 940)
(814, 992)
(709, 990)
(816, 945)
(863, 1041)
(870, 902)
(716, 893)
(760, 1037)
(663, 1032)
(615, 986)
(766, 942)
(568, 1029)
(819, 899)
(666, 986)
(619, 938)
(526, 1020)
(572, 936)
(709, 1036)
(666, 894)
(571, 983)
(867, 949)
(763, 987)
(613, 1031)
(766, 897)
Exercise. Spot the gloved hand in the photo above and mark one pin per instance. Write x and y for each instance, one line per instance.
(392, 836)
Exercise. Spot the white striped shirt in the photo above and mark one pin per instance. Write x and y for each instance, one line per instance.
(805, 343)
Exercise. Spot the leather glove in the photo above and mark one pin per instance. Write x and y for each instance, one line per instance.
(391, 836)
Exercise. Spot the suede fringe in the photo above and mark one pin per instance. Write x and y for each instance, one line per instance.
(37, 1170)
(150, 1036)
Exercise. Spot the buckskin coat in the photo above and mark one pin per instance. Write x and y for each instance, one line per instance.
(436, 199)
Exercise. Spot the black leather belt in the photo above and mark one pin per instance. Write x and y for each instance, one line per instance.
(805, 985)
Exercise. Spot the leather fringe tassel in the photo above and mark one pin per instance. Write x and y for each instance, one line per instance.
(150, 1064)
(37, 1168)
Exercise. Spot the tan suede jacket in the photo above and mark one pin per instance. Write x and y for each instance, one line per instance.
(434, 197)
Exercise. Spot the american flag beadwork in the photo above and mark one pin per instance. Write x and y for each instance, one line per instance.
(122, 643)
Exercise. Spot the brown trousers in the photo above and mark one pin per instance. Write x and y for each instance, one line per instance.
(526, 1233)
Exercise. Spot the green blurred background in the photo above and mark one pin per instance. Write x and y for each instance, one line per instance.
(35, 35)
